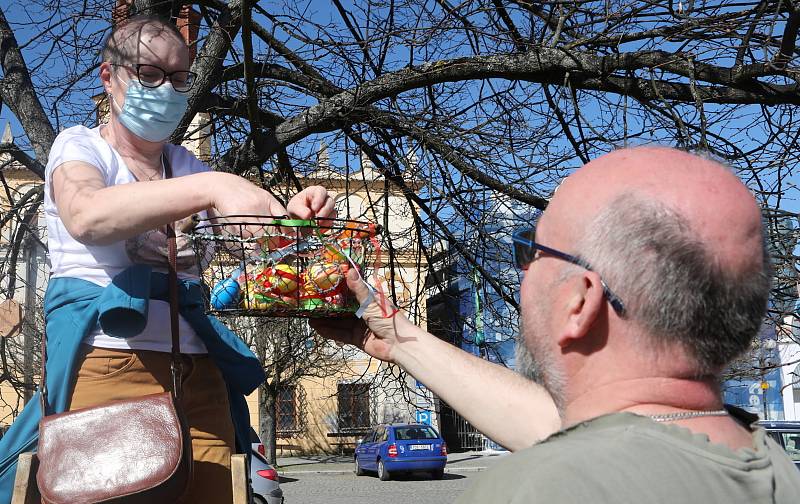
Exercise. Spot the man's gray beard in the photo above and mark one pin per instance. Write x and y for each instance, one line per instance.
(526, 364)
(540, 369)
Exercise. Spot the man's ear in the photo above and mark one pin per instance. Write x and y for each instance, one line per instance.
(105, 75)
(585, 300)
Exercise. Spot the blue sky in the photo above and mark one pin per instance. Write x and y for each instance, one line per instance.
(17, 14)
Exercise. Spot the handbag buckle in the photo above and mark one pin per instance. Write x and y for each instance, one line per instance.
(176, 367)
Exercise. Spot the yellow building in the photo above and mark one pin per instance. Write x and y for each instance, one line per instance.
(329, 414)
(22, 283)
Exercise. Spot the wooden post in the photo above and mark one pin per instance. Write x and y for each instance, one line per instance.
(240, 479)
(25, 489)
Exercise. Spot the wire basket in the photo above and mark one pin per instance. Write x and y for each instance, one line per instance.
(280, 267)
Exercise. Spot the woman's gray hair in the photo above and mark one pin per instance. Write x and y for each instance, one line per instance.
(122, 43)
(671, 284)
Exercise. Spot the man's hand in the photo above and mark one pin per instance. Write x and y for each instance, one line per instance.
(517, 413)
(376, 333)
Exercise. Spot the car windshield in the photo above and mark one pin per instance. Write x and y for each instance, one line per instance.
(406, 433)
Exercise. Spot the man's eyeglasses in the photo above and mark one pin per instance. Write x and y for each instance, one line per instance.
(152, 76)
(525, 248)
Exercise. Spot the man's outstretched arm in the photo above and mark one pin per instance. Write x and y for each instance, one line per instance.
(508, 408)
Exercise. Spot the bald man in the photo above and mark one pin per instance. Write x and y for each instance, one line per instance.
(644, 278)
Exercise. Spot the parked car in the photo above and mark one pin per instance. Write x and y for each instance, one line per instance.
(787, 434)
(263, 477)
(401, 448)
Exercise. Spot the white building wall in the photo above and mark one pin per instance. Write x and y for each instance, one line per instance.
(789, 350)
(790, 356)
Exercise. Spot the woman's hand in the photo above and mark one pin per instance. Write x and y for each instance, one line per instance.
(313, 202)
(234, 195)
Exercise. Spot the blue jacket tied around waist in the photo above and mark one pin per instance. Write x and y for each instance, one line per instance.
(73, 307)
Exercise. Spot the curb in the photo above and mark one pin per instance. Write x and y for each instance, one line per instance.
(350, 471)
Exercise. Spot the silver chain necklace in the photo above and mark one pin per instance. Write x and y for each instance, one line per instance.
(682, 415)
(154, 176)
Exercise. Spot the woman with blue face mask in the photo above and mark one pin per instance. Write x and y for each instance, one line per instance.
(107, 201)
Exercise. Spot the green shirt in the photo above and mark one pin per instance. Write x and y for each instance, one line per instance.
(626, 458)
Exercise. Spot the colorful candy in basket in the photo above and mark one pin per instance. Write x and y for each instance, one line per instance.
(305, 275)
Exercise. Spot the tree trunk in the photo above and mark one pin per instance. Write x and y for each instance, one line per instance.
(268, 420)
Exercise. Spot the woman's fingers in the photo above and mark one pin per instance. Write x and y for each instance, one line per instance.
(311, 202)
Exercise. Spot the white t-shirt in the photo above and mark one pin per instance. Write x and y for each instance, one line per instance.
(100, 263)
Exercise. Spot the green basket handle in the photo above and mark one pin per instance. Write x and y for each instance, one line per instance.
(294, 222)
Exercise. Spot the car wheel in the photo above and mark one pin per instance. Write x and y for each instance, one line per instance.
(437, 474)
(357, 469)
(383, 474)
(257, 499)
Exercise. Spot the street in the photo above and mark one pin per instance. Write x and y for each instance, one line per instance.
(316, 488)
(333, 482)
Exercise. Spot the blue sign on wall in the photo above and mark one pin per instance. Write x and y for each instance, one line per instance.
(424, 417)
(759, 394)
(751, 396)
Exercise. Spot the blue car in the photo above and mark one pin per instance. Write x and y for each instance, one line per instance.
(401, 448)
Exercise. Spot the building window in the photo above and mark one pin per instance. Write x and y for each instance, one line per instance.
(353, 406)
(289, 410)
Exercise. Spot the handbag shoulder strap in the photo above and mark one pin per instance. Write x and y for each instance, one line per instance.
(176, 364)
(172, 276)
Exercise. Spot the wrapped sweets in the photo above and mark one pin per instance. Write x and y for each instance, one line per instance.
(309, 297)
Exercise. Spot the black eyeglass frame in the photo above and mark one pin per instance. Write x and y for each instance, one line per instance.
(525, 250)
(191, 76)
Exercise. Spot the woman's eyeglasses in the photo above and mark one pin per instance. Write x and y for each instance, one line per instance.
(152, 76)
(525, 248)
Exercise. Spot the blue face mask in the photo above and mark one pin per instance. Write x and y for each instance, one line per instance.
(151, 113)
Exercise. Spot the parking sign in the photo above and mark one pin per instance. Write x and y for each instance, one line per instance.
(424, 417)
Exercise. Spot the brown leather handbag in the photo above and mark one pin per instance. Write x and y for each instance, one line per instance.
(128, 451)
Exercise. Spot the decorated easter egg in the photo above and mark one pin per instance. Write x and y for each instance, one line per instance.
(225, 294)
(309, 296)
(254, 299)
(261, 279)
(284, 279)
(248, 303)
(324, 276)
